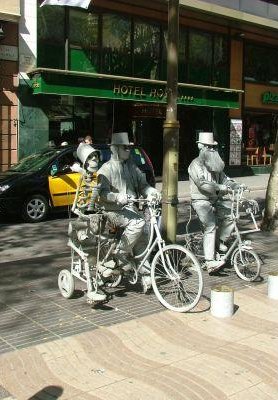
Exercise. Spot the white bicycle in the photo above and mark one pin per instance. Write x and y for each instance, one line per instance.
(240, 252)
(176, 275)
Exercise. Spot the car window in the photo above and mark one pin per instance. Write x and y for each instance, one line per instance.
(63, 164)
(34, 162)
(136, 154)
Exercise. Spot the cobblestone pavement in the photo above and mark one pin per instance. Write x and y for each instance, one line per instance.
(132, 347)
(33, 310)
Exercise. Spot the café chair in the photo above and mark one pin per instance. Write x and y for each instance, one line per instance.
(267, 158)
(255, 157)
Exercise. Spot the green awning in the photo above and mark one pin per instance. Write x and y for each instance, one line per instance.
(72, 83)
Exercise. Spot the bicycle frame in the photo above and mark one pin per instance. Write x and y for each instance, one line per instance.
(173, 272)
(158, 241)
(236, 198)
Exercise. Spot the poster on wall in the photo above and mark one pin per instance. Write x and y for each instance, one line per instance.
(235, 142)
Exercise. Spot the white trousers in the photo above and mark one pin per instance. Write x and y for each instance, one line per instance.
(214, 216)
(133, 224)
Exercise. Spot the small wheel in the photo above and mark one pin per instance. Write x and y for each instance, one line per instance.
(35, 208)
(66, 283)
(194, 243)
(247, 264)
(177, 278)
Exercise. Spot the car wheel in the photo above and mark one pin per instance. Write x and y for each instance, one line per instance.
(35, 208)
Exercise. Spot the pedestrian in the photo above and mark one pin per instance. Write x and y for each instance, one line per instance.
(208, 186)
(88, 139)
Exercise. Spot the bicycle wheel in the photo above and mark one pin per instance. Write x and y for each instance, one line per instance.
(66, 283)
(194, 243)
(177, 278)
(247, 264)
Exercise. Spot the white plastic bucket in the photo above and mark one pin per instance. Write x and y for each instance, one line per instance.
(272, 287)
(222, 301)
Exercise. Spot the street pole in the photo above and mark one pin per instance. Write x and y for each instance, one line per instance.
(171, 130)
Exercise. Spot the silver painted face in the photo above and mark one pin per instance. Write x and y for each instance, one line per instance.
(92, 162)
(123, 152)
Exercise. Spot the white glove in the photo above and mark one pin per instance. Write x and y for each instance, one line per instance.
(76, 168)
(223, 189)
(154, 195)
(121, 199)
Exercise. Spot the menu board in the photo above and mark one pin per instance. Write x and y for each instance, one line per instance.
(235, 141)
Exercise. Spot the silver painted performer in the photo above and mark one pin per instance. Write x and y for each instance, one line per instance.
(120, 180)
(208, 187)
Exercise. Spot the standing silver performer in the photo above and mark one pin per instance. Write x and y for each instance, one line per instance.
(120, 180)
(208, 186)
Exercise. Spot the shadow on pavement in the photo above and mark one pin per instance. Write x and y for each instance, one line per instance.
(49, 392)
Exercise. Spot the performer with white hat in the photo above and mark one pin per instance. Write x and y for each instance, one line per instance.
(84, 202)
(120, 179)
(208, 185)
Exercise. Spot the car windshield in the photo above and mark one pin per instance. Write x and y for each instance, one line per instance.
(34, 162)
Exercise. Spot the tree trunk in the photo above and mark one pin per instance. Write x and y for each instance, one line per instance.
(270, 219)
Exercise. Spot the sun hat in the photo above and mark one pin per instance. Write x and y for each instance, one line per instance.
(207, 138)
(84, 151)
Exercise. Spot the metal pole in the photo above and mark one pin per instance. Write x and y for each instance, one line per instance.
(171, 130)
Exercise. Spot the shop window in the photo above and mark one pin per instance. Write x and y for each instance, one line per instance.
(258, 139)
(51, 39)
(146, 50)
(220, 61)
(83, 38)
(116, 41)
(259, 64)
(200, 58)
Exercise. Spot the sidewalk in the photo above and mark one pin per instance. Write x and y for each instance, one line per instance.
(253, 182)
(24, 241)
(132, 348)
(164, 356)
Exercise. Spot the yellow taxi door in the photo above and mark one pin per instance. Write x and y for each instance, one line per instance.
(63, 188)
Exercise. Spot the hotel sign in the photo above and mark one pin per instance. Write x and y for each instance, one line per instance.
(155, 94)
(129, 89)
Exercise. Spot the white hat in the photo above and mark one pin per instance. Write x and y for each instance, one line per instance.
(207, 138)
(84, 150)
(120, 138)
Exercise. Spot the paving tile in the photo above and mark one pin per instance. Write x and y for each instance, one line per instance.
(4, 394)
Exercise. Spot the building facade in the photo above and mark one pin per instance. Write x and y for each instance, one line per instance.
(104, 69)
(9, 18)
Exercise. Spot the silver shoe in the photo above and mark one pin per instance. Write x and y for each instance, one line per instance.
(146, 281)
(214, 265)
(96, 296)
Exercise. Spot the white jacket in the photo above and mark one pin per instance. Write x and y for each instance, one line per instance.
(205, 185)
(116, 176)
